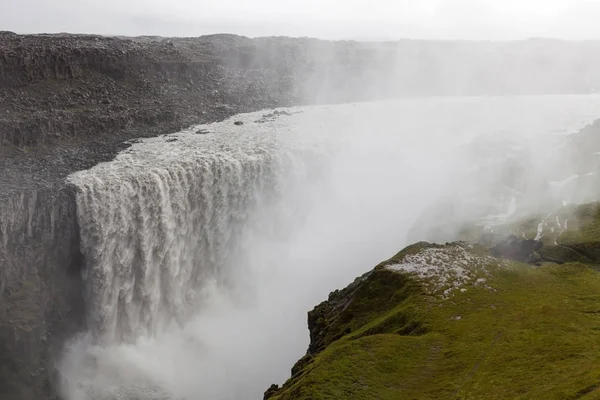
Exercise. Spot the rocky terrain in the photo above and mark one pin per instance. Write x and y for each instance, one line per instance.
(68, 102)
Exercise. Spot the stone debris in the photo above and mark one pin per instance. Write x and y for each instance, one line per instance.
(446, 270)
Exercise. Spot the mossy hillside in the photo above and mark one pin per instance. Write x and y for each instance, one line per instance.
(570, 234)
(364, 306)
(528, 333)
(583, 234)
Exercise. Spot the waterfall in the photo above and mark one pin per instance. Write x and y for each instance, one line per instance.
(203, 252)
(168, 215)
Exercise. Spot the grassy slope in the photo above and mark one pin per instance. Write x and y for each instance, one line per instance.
(537, 336)
(572, 234)
(583, 235)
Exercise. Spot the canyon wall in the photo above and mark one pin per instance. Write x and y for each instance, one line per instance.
(40, 288)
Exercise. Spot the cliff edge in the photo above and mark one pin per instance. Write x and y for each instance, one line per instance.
(453, 321)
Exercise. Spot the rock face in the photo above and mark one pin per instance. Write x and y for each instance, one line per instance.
(349, 308)
(514, 248)
(66, 86)
(40, 288)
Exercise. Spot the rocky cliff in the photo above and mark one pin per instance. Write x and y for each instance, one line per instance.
(80, 86)
(73, 86)
(40, 288)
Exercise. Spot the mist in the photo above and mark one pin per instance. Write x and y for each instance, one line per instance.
(353, 185)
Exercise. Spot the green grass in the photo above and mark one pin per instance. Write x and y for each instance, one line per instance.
(579, 242)
(528, 333)
(535, 336)
(382, 304)
(583, 235)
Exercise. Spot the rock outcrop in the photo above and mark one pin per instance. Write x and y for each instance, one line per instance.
(517, 249)
(40, 289)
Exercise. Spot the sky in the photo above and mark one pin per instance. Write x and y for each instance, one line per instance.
(327, 19)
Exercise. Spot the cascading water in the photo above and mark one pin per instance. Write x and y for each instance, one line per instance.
(151, 234)
(203, 252)
(155, 225)
(169, 216)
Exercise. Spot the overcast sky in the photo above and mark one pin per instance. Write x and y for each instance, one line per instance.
(330, 19)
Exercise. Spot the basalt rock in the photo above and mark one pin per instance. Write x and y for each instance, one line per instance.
(271, 391)
(40, 289)
(517, 249)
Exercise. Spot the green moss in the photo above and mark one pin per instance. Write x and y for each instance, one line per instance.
(583, 235)
(562, 254)
(576, 239)
(535, 335)
(526, 333)
(571, 234)
(376, 303)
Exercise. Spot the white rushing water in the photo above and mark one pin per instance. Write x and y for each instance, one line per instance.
(205, 251)
(168, 215)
